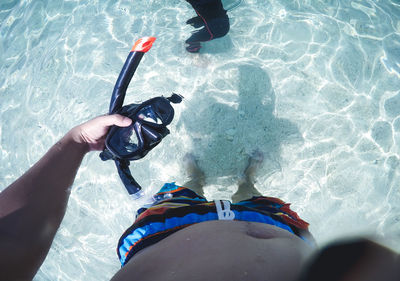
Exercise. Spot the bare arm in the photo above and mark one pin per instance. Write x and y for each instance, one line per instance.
(32, 208)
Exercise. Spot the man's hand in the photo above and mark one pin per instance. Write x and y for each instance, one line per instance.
(94, 132)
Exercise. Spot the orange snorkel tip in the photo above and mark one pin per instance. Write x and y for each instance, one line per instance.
(143, 44)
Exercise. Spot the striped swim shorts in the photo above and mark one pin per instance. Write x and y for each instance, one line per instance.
(176, 207)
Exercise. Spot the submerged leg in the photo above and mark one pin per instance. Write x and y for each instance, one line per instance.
(246, 187)
(196, 175)
(196, 22)
(212, 16)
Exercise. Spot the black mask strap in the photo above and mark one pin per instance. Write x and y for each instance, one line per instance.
(125, 174)
(175, 98)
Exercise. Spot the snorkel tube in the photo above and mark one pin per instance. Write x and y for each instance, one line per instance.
(131, 63)
(117, 99)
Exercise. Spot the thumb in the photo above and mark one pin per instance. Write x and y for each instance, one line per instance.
(122, 121)
(116, 119)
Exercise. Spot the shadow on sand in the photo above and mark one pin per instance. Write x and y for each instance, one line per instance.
(230, 126)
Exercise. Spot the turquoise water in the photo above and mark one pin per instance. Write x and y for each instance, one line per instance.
(314, 85)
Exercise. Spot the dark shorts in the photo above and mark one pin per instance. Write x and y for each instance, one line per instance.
(177, 207)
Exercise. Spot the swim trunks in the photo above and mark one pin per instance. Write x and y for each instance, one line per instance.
(177, 207)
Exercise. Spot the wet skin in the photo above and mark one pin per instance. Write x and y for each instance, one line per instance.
(215, 250)
(220, 250)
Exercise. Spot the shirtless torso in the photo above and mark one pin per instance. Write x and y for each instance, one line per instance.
(220, 250)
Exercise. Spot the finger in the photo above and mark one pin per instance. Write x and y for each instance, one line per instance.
(114, 119)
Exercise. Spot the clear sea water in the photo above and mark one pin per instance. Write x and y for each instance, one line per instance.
(312, 84)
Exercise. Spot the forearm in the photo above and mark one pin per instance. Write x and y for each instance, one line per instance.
(31, 209)
(48, 180)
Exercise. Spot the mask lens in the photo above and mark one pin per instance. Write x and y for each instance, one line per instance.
(147, 114)
(132, 143)
(125, 141)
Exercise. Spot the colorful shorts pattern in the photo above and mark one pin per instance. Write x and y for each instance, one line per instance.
(177, 207)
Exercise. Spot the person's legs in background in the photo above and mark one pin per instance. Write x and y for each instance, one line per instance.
(212, 17)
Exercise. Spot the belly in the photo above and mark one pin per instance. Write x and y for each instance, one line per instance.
(220, 250)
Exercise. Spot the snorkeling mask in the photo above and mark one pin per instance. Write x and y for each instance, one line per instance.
(149, 121)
